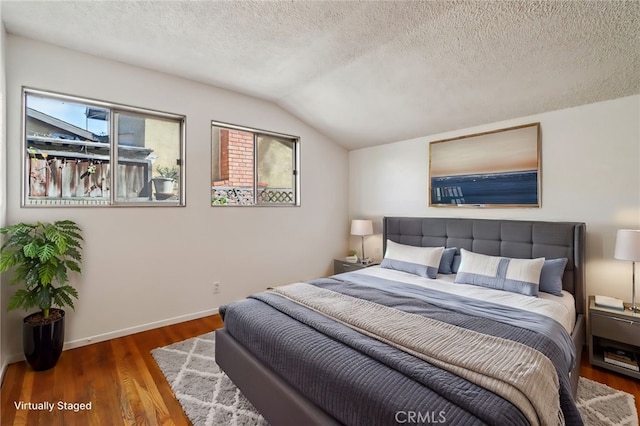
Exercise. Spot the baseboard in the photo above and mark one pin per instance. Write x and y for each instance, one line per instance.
(117, 333)
(137, 329)
(3, 369)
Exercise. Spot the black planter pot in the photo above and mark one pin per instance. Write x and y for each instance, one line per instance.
(42, 343)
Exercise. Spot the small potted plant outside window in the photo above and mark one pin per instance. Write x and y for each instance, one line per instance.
(164, 183)
(41, 256)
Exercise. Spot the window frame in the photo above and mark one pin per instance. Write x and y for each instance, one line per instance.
(113, 109)
(256, 133)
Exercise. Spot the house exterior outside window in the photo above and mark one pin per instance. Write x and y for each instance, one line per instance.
(81, 152)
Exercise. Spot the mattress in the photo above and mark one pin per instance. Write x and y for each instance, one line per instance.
(559, 308)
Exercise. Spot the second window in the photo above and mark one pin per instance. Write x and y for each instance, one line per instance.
(253, 167)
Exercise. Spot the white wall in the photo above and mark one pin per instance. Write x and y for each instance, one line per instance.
(3, 181)
(590, 173)
(145, 267)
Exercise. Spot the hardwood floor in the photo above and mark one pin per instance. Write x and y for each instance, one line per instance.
(124, 385)
(118, 377)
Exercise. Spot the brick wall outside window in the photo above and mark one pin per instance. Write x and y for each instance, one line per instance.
(236, 158)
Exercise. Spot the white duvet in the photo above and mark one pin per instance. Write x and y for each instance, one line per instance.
(562, 309)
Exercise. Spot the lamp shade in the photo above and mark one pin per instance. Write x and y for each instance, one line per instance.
(361, 227)
(627, 245)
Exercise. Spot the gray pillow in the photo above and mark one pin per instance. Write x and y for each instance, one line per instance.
(551, 275)
(446, 261)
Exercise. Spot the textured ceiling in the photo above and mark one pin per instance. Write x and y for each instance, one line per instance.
(366, 73)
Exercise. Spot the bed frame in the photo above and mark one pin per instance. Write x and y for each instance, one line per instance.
(281, 404)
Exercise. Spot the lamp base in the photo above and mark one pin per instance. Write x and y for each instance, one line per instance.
(633, 308)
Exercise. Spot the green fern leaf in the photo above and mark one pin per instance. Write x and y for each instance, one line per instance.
(61, 274)
(63, 296)
(16, 301)
(30, 249)
(54, 235)
(74, 254)
(47, 252)
(74, 266)
(7, 260)
(47, 272)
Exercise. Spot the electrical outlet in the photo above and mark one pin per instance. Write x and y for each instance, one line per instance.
(216, 287)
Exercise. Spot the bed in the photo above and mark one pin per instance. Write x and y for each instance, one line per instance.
(302, 354)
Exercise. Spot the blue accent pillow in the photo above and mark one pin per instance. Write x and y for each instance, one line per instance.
(551, 275)
(446, 261)
(455, 265)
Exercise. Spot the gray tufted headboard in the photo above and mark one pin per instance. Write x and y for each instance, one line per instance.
(509, 238)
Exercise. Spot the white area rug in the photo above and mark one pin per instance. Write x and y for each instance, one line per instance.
(209, 397)
(601, 405)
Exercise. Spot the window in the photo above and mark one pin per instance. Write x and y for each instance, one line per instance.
(253, 167)
(93, 153)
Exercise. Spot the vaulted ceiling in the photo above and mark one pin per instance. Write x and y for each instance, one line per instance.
(366, 72)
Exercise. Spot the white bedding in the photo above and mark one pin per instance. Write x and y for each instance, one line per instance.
(562, 309)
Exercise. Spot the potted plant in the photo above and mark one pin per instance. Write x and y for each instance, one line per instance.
(164, 182)
(41, 255)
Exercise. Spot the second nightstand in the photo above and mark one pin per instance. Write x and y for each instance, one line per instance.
(615, 329)
(341, 265)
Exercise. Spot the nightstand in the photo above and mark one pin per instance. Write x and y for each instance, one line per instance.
(612, 328)
(341, 265)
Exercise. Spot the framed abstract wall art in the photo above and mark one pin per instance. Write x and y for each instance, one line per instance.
(500, 168)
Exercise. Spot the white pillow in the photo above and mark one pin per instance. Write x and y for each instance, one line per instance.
(501, 273)
(422, 261)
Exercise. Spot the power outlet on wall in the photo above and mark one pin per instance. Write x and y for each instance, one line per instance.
(216, 287)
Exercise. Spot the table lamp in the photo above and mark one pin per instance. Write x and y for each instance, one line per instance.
(628, 248)
(361, 227)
